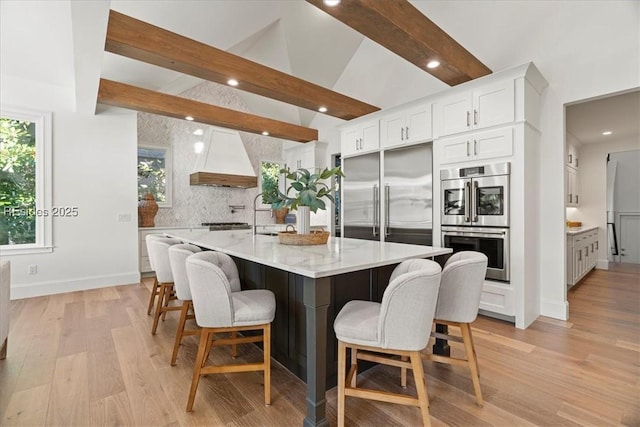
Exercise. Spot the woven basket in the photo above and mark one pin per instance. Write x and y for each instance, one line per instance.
(291, 237)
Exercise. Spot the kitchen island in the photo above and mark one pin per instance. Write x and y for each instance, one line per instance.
(311, 284)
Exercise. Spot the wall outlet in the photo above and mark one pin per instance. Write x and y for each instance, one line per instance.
(124, 217)
(32, 269)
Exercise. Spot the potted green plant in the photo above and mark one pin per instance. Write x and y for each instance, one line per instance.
(305, 193)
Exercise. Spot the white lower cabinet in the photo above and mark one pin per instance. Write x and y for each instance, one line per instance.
(497, 297)
(582, 254)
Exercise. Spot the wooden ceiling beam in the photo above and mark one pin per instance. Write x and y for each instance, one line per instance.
(400, 27)
(135, 98)
(139, 40)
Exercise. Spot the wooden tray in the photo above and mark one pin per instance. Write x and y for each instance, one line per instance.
(291, 237)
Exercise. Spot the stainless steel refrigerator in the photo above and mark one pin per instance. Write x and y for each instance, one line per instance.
(398, 204)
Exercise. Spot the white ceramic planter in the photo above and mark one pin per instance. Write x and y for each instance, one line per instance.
(303, 220)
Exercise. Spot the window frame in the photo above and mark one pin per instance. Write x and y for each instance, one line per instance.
(168, 171)
(44, 223)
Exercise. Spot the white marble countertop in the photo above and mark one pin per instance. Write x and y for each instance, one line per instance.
(577, 230)
(339, 255)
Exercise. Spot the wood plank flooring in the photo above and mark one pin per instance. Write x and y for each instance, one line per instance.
(88, 358)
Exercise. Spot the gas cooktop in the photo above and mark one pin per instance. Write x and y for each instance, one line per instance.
(215, 226)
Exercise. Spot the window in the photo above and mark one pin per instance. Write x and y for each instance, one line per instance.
(271, 180)
(25, 181)
(154, 174)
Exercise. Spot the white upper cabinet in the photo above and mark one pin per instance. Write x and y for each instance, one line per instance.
(360, 138)
(476, 146)
(406, 127)
(572, 156)
(483, 107)
(309, 155)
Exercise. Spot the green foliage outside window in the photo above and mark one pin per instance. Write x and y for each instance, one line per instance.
(152, 173)
(270, 173)
(17, 181)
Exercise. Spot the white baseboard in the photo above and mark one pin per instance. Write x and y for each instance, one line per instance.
(555, 309)
(81, 284)
(602, 264)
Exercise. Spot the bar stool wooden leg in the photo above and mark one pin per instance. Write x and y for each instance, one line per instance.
(403, 373)
(472, 360)
(266, 348)
(342, 366)
(234, 347)
(180, 330)
(204, 340)
(152, 297)
(354, 366)
(156, 315)
(421, 386)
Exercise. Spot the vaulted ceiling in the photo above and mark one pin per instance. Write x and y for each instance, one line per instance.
(66, 53)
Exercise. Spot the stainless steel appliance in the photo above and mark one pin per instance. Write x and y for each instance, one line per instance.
(476, 196)
(491, 241)
(407, 201)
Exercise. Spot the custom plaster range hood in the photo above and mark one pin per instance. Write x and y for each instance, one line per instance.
(223, 162)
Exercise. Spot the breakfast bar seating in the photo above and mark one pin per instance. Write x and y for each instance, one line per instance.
(311, 284)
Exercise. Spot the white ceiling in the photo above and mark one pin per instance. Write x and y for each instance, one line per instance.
(619, 114)
(295, 37)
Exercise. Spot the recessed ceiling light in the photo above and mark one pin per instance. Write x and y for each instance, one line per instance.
(198, 132)
(265, 133)
(607, 132)
(322, 109)
(198, 147)
(433, 64)
(189, 118)
(331, 3)
(232, 82)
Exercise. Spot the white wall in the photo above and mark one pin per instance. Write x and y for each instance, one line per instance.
(94, 169)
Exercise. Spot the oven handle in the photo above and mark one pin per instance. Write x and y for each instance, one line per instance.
(473, 234)
(467, 201)
(474, 205)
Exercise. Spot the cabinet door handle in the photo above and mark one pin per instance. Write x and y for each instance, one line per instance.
(468, 153)
(597, 245)
(577, 162)
(570, 198)
(475, 147)
(406, 132)
(580, 255)
(570, 158)
(401, 134)
(468, 119)
(577, 199)
(475, 117)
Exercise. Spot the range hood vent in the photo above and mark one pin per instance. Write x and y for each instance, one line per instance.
(223, 162)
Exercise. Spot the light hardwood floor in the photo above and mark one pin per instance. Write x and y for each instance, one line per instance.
(88, 358)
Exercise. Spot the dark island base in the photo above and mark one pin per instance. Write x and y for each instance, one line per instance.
(288, 331)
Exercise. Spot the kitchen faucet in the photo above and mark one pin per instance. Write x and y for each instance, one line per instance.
(255, 210)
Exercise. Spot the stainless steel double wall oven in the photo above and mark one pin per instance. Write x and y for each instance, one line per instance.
(475, 213)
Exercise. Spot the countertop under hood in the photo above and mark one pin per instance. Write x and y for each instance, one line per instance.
(223, 161)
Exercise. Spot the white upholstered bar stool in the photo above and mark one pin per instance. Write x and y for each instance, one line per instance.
(458, 303)
(178, 255)
(156, 288)
(159, 252)
(218, 309)
(399, 326)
